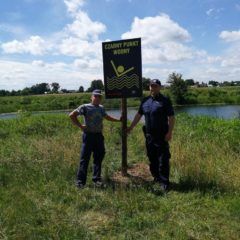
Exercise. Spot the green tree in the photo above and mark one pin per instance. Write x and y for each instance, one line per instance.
(145, 83)
(26, 91)
(40, 88)
(4, 92)
(81, 89)
(178, 87)
(96, 84)
(213, 83)
(189, 82)
(55, 87)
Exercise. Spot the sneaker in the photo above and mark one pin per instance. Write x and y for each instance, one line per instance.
(160, 188)
(98, 184)
(80, 185)
(164, 187)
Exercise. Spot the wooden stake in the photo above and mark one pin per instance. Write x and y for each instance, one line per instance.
(124, 136)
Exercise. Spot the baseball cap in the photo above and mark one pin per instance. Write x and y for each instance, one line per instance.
(97, 92)
(155, 81)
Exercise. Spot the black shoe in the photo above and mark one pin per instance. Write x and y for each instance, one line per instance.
(164, 187)
(160, 188)
(80, 185)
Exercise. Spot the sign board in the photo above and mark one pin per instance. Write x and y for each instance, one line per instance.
(122, 67)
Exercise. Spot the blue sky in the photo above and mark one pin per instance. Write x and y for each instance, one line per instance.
(60, 40)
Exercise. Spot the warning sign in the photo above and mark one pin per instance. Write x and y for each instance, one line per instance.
(122, 66)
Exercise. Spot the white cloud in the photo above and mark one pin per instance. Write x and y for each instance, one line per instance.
(230, 36)
(231, 62)
(35, 45)
(155, 30)
(214, 12)
(38, 63)
(30, 74)
(209, 11)
(231, 57)
(162, 39)
(80, 48)
(74, 5)
(84, 28)
(92, 64)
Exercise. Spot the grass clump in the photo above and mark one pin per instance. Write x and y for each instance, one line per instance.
(38, 199)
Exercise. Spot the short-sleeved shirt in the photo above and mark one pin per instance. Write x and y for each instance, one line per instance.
(93, 117)
(156, 111)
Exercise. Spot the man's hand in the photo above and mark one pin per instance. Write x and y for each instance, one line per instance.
(129, 129)
(83, 127)
(168, 136)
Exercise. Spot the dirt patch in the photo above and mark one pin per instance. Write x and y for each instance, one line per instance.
(137, 173)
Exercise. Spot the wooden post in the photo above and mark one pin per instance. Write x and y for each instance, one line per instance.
(124, 136)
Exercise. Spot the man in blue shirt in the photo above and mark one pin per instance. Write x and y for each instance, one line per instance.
(159, 122)
(92, 139)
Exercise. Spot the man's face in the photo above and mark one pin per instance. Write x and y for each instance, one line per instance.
(154, 89)
(96, 99)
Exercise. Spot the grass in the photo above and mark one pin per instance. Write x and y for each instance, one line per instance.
(227, 95)
(38, 200)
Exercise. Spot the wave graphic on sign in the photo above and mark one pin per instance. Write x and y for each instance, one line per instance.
(124, 81)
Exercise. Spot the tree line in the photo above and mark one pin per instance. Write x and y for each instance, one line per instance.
(176, 84)
(46, 88)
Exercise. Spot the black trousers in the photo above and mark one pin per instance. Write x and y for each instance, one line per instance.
(91, 143)
(159, 155)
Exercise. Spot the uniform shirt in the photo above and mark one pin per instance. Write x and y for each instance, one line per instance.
(93, 117)
(156, 111)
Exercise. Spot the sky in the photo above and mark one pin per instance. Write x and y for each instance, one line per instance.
(61, 40)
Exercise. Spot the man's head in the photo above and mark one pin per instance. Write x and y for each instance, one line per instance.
(96, 97)
(155, 86)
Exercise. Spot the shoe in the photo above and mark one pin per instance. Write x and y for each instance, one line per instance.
(160, 188)
(98, 184)
(80, 185)
(164, 187)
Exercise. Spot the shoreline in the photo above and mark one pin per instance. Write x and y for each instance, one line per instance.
(69, 110)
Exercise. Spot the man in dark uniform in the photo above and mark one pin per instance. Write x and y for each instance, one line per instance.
(159, 122)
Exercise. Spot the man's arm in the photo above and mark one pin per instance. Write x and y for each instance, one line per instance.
(134, 122)
(73, 115)
(171, 123)
(113, 119)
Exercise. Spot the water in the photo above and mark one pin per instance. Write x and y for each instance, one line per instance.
(221, 111)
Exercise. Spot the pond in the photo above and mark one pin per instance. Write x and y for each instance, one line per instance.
(221, 111)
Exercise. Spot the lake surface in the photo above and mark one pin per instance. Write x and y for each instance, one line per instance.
(220, 111)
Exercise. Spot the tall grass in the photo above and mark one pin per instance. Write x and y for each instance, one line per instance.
(207, 152)
(230, 95)
(38, 199)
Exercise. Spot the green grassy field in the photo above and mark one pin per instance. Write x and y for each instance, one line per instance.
(38, 199)
(223, 95)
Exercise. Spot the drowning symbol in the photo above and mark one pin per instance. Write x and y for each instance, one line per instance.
(120, 69)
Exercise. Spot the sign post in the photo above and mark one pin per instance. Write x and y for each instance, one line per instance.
(122, 66)
(124, 136)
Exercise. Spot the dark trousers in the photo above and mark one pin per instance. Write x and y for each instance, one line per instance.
(159, 155)
(91, 143)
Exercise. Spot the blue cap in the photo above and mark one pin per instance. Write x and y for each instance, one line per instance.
(155, 81)
(97, 92)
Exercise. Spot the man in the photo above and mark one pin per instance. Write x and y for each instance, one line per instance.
(159, 122)
(92, 139)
